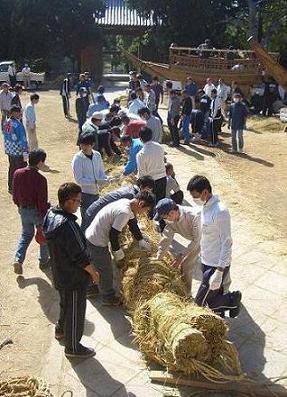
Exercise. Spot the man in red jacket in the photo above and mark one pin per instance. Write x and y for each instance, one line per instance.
(30, 194)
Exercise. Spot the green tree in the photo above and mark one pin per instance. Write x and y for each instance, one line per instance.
(39, 28)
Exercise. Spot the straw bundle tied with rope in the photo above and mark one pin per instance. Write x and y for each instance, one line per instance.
(24, 387)
(170, 329)
(187, 338)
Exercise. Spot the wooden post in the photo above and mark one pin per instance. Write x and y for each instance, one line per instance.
(244, 387)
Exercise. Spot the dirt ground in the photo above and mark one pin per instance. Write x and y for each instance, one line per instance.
(26, 306)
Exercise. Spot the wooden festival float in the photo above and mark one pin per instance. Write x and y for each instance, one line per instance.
(243, 66)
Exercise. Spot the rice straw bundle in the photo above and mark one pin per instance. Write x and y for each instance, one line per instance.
(148, 278)
(24, 387)
(184, 337)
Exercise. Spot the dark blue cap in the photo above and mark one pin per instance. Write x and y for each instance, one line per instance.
(163, 207)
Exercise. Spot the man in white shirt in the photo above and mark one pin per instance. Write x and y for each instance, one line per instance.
(209, 86)
(150, 161)
(89, 173)
(5, 103)
(216, 250)
(153, 123)
(30, 121)
(26, 76)
(105, 229)
(222, 93)
(184, 221)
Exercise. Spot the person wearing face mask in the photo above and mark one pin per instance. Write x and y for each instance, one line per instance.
(215, 250)
(184, 221)
(237, 121)
(82, 105)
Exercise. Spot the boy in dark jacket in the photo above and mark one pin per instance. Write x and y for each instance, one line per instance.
(71, 269)
(237, 121)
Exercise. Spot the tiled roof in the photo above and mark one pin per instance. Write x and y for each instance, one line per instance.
(117, 13)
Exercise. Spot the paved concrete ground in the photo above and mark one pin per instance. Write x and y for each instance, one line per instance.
(118, 369)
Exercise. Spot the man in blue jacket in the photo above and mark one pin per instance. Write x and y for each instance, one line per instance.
(134, 146)
(15, 143)
(237, 121)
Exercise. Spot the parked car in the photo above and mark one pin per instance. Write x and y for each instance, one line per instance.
(36, 78)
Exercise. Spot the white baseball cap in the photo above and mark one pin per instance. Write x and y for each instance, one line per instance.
(97, 116)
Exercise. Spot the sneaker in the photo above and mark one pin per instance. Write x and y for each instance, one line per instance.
(59, 334)
(233, 151)
(82, 352)
(186, 143)
(92, 291)
(45, 265)
(18, 268)
(236, 300)
(111, 301)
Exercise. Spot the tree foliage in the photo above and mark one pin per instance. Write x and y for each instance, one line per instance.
(38, 28)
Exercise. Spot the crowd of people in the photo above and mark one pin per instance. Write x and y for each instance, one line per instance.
(82, 256)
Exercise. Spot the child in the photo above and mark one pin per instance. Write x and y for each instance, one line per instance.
(172, 187)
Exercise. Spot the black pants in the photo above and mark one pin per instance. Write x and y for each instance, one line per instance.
(214, 299)
(66, 105)
(13, 80)
(72, 317)
(215, 128)
(177, 197)
(160, 188)
(114, 147)
(173, 128)
(15, 162)
(104, 143)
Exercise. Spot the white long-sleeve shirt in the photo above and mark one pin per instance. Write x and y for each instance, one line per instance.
(188, 226)
(30, 116)
(89, 173)
(150, 161)
(222, 92)
(208, 88)
(216, 241)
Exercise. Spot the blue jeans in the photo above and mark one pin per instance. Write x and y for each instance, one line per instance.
(185, 128)
(30, 219)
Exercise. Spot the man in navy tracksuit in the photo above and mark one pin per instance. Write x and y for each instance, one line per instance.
(71, 269)
(237, 121)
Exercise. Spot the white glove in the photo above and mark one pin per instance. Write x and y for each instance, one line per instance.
(118, 255)
(215, 280)
(144, 245)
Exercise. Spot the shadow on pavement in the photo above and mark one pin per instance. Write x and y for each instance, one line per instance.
(250, 341)
(49, 299)
(95, 378)
(117, 318)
